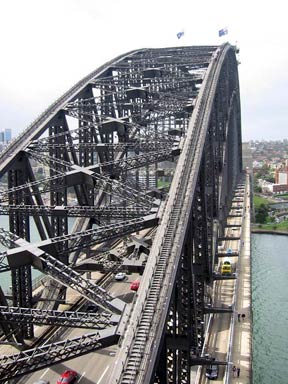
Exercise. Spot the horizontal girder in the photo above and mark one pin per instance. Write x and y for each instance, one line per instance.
(30, 360)
(60, 318)
(76, 211)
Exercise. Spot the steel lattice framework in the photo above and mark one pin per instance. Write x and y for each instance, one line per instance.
(99, 154)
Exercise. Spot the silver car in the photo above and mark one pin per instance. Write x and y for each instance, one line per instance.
(212, 371)
(120, 276)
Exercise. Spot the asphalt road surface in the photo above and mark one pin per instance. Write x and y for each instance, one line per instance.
(95, 366)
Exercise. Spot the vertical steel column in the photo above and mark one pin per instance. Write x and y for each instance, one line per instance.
(170, 347)
(19, 225)
(10, 329)
(184, 327)
(199, 266)
(86, 136)
(59, 196)
(107, 109)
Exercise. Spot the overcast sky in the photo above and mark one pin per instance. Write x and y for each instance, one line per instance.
(49, 45)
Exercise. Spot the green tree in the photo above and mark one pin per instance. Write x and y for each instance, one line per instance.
(261, 214)
(257, 188)
(270, 178)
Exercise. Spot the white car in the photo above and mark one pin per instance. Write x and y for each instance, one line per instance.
(42, 381)
(120, 276)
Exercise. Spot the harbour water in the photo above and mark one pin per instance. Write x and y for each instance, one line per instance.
(6, 276)
(270, 308)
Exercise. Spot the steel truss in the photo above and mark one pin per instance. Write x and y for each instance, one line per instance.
(59, 318)
(33, 359)
(61, 273)
(76, 211)
(103, 145)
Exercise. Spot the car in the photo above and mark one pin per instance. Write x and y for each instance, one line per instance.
(134, 286)
(120, 276)
(92, 308)
(229, 251)
(212, 371)
(68, 377)
(42, 381)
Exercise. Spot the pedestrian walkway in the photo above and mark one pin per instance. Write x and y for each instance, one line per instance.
(241, 351)
(229, 335)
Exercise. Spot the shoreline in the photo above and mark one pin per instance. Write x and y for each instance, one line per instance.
(269, 231)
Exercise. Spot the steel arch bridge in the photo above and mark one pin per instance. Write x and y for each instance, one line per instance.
(149, 143)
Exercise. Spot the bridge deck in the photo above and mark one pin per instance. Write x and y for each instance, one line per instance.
(242, 337)
(229, 339)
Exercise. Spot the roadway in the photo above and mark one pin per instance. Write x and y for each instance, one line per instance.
(218, 342)
(93, 367)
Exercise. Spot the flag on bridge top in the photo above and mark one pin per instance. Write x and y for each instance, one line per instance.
(223, 32)
(180, 34)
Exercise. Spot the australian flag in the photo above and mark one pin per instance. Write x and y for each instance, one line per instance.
(180, 34)
(223, 32)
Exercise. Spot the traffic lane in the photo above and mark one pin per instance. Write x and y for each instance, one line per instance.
(91, 368)
(217, 345)
(93, 365)
(87, 366)
(121, 289)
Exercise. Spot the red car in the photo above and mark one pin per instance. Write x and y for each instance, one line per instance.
(135, 285)
(67, 377)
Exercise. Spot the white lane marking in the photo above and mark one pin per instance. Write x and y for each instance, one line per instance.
(103, 374)
(81, 377)
(44, 373)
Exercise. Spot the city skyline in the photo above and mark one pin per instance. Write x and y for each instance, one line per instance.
(5, 135)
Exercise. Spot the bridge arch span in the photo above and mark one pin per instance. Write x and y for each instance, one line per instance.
(104, 154)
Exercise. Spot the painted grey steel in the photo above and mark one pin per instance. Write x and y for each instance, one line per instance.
(144, 340)
(60, 318)
(62, 273)
(15, 365)
(77, 211)
(107, 140)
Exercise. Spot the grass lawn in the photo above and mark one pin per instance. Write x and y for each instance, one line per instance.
(161, 183)
(283, 226)
(283, 195)
(258, 200)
